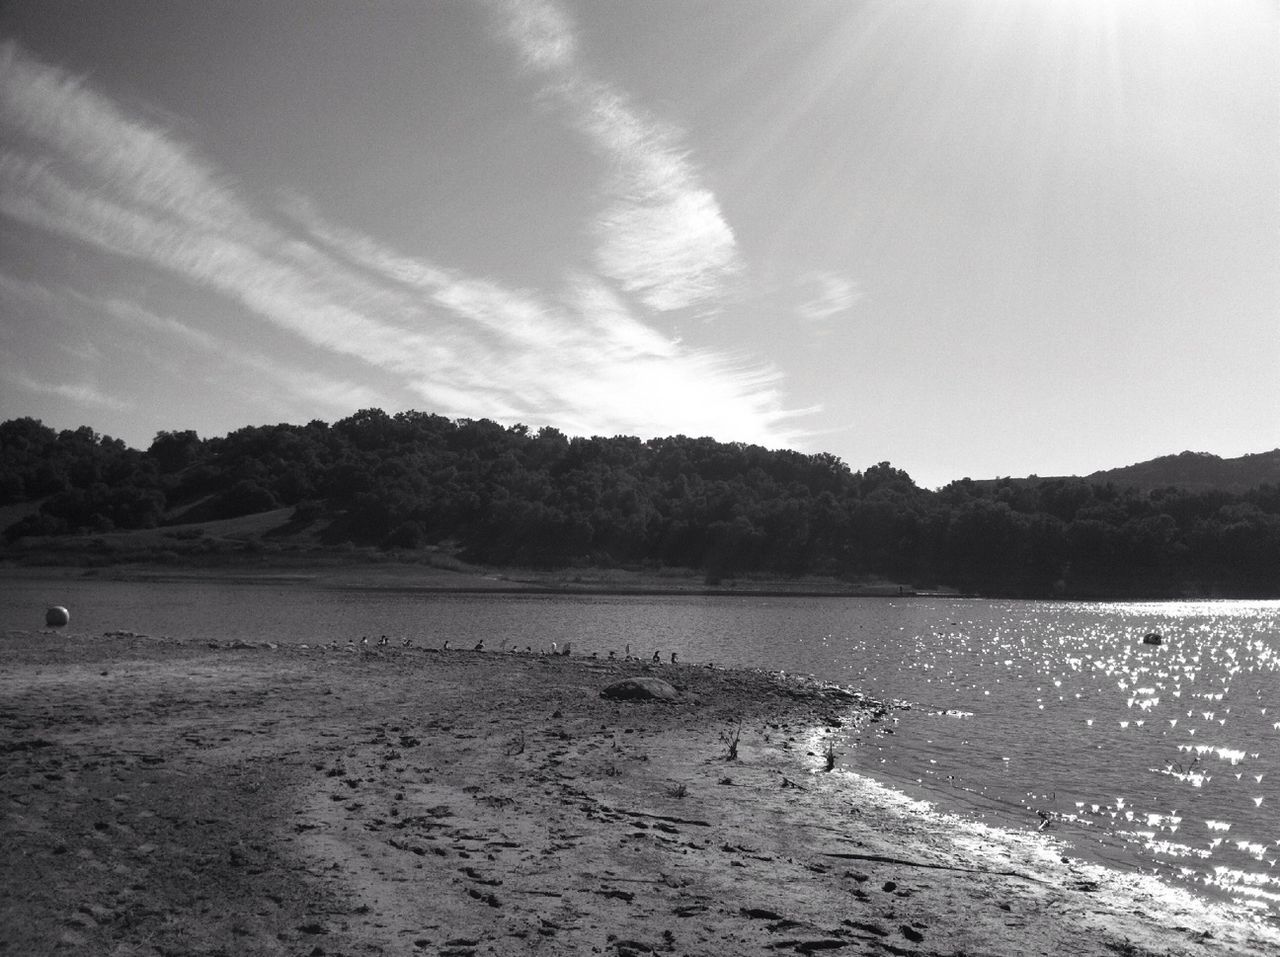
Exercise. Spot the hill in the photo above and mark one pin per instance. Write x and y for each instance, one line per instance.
(1197, 471)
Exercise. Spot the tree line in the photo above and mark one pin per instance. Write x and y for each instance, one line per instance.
(514, 496)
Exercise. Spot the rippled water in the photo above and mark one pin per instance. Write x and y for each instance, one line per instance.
(1026, 714)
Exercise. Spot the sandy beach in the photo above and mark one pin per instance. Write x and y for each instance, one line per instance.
(170, 798)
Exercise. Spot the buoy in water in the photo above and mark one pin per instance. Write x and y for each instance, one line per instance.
(57, 616)
(1152, 638)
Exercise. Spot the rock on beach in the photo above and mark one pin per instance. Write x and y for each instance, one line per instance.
(640, 689)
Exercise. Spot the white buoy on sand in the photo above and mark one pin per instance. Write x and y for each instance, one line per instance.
(57, 616)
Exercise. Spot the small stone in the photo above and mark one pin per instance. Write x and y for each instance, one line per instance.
(629, 948)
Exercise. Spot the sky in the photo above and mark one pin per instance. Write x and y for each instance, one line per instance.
(973, 238)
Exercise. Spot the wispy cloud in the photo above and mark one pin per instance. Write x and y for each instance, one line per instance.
(137, 329)
(292, 384)
(661, 235)
(827, 295)
(541, 31)
(81, 393)
(78, 166)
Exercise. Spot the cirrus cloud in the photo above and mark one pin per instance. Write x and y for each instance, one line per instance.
(828, 295)
(661, 234)
(79, 167)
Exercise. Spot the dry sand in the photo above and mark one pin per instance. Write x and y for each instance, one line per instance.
(180, 799)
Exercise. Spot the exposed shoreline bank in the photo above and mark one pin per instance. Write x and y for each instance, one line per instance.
(279, 800)
(425, 578)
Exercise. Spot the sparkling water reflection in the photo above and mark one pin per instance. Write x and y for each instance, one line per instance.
(1058, 715)
(1055, 716)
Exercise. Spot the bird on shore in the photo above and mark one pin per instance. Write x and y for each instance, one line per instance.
(364, 641)
(657, 657)
(446, 644)
(674, 657)
(479, 645)
(406, 642)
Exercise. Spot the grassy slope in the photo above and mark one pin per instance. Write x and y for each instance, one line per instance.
(266, 545)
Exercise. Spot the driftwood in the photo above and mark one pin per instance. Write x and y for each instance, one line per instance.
(883, 859)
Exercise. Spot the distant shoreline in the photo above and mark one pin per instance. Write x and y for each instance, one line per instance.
(364, 573)
(425, 578)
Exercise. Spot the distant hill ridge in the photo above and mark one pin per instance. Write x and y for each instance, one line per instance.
(1197, 471)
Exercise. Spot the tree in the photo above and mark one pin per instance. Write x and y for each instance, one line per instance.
(174, 451)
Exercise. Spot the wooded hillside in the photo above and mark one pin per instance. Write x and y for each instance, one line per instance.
(512, 496)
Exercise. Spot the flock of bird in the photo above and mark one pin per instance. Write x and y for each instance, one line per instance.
(554, 648)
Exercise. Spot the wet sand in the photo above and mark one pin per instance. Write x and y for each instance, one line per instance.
(176, 798)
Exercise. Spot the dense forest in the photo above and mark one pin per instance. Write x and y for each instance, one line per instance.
(516, 497)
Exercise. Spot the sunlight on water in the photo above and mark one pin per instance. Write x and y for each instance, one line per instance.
(1154, 755)
(980, 844)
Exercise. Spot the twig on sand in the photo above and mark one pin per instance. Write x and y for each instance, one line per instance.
(667, 818)
(730, 738)
(883, 859)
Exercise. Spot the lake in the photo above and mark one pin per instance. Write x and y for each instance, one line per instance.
(1022, 714)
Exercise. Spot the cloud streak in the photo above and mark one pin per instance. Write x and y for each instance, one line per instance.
(66, 312)
(829, 295)
(83, 393)
(77, 166)
(661, 235)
